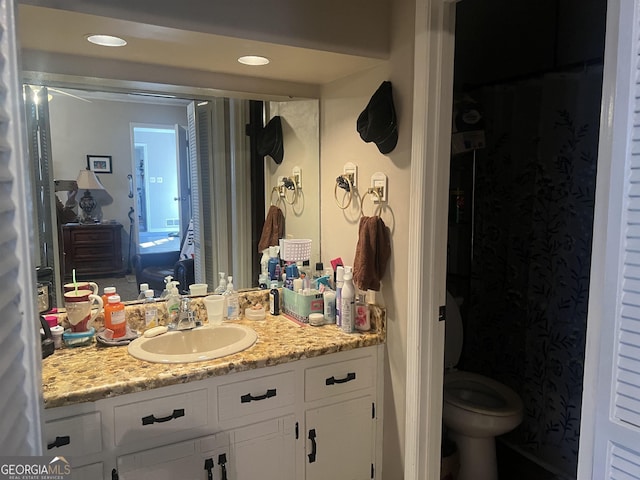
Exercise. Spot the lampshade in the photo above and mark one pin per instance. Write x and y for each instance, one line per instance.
(87, 180)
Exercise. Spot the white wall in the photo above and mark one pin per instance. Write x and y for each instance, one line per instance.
(341, 103)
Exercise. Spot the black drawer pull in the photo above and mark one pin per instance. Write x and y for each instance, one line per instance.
(222, 461)
(333, 380)
(59, 442)
(208, 466)
(151, 419)
(312, 437)
(249, 398)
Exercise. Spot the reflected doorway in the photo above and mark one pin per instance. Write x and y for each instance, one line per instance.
(162, 198)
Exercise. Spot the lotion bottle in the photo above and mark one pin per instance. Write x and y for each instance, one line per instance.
(347, 304)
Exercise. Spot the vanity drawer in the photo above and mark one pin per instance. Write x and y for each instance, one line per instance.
(93, 236)
(338, 378)
(74, 436)
(160, 416)
(255, 396)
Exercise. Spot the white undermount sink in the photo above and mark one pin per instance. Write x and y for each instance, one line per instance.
(202, 343)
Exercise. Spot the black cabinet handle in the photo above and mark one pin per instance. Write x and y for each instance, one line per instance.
(249, 398)
(59, 442)
(114, 474)
(312, 437)
(222, 461)
(333, 380)
(151, 419)
(208, 466)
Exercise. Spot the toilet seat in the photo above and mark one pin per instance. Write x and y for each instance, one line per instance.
(479, 394)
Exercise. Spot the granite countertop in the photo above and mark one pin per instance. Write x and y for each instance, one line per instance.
(90, 373)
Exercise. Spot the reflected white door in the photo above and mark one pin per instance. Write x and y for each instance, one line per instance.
(158, 153)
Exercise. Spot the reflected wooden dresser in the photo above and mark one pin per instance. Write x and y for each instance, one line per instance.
(92, 249)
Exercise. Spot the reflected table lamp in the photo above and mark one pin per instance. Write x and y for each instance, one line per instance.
(88, 181)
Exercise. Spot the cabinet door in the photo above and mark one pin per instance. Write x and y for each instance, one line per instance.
(339, 440)
(265, 450)
(88, 472)
(190, 460)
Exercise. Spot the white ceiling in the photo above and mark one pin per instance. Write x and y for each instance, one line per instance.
(55, 31)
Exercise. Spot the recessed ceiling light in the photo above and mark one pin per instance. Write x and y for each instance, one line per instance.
(253, 60)
(107, 40)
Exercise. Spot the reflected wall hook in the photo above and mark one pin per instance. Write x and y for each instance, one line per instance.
(344, 182)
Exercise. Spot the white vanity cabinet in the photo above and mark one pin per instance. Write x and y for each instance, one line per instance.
(342, 417)
(309, 419)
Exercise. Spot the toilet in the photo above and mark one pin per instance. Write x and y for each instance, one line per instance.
(475, 408)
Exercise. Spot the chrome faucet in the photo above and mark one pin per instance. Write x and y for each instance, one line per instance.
(186, 319)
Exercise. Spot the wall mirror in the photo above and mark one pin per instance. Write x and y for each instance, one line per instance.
(164, 161)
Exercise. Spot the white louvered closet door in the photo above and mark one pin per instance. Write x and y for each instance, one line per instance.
(610, 434)
(19, 352)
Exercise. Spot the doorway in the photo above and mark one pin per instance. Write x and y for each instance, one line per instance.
(521, 211)
(161, 185)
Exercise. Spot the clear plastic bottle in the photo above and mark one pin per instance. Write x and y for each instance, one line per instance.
(143, 288)
(222, 284)
(150, 310)
(114, 317)
(347, 304)
(232, 302)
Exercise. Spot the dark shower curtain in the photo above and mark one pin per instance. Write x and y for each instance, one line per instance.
(534, 197)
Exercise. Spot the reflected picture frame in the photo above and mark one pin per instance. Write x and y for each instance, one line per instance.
(99, 163)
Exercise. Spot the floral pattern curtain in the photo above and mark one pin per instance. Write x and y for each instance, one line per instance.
(533, 201)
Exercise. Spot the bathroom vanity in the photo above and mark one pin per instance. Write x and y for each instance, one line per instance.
(301, 403)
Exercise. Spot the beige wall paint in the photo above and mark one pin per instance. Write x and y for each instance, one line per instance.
(301, 139)
(103, 128)
(359, 26)
(341, 103)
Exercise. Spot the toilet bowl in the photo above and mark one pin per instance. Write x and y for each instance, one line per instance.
(475, 408)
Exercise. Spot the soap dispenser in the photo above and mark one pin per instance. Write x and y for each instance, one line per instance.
(173, 302)
(231, 300)
(167, 286)
(222, 284)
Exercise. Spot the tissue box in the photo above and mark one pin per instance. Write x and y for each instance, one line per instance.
(301, 306)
